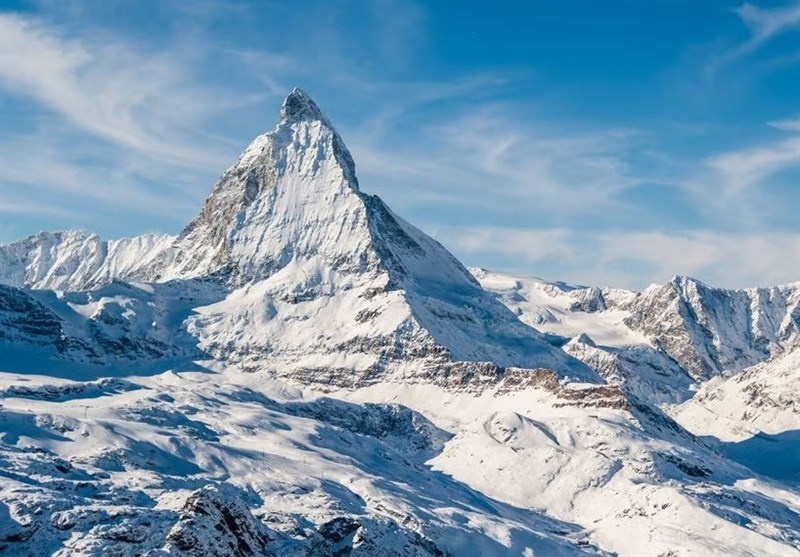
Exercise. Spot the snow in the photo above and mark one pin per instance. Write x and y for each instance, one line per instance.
(150, 447)
(302, 372)
(75, 260)
(662, 342)
(550, 308)
(753, 417)
(763, 398)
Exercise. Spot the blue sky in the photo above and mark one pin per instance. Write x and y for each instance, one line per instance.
(593, 142)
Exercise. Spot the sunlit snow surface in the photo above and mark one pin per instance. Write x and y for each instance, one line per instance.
(300, 372)
(106, 465)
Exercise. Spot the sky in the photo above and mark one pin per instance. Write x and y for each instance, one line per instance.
(616, 143)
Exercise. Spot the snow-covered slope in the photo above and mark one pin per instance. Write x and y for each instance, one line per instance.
(198, 464)
(763, 398)
(119, 325)
(133, 464)
(393, 406)
(753, 416)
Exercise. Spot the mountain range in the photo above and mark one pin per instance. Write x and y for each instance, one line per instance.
(302, 372)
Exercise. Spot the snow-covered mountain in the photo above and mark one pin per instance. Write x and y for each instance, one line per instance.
(78, 260)
(663, 340)
(321, 280)
(300, 372)
(752, 416)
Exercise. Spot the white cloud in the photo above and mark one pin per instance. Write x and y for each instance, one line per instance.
(787, 125)
(634, 259)
(767, 23)
(494, 157)
(764, 25)
(747, 168)
(43, 168)
(112, 90)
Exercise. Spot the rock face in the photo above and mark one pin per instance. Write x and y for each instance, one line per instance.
(709, 330)
(25, 320)
(291, 196)
(318, 279)
(213, 524)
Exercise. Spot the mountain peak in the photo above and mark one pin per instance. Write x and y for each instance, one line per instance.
(299, 107)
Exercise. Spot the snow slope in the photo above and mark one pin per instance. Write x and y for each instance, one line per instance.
(763, 398)
(753, 417)
(157, 464)
(120, 465)
(301, 372)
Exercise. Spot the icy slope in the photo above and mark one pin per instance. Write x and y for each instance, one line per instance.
(763, 398)
(640, 483)
(185, 463)
(119, 325)
(753, 416)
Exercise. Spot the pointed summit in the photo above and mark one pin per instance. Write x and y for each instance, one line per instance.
(298, 107)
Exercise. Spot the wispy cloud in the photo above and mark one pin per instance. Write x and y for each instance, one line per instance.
(494, 157)
(743, 169)
(117, 131)
(764, 25)
(767, 23)
(634, 259)
(45, 168)
(787, 124)
(113, 90)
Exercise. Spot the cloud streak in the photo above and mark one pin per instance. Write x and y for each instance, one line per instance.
(111, 90)
(765, 24)
(739, 171)
(634, 259)
(495, 158)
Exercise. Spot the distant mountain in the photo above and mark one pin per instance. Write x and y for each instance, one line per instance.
(78, 260)
(661, 341)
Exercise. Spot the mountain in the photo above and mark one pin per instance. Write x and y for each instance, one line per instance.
(710, 330)
(300, 372)
(753, 416)
(322, 281)
(77, 260)
(662, 341)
